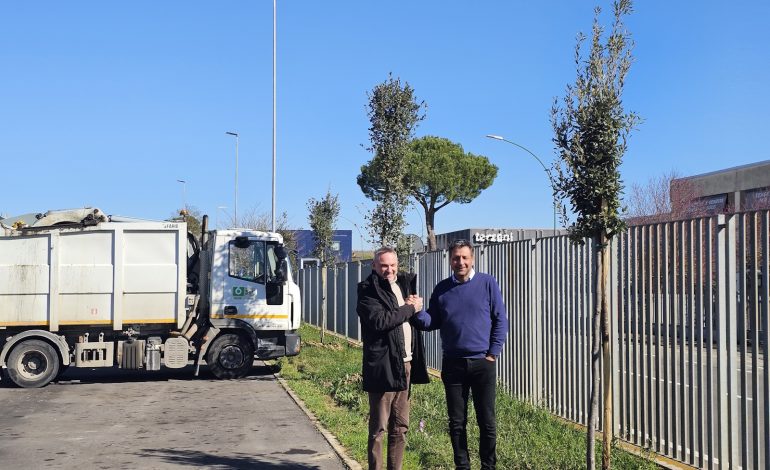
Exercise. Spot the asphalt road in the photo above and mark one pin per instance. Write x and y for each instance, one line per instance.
(110, 418)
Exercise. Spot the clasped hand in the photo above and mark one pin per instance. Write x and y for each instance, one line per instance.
(415, 301)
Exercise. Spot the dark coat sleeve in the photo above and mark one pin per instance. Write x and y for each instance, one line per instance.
(379, 315)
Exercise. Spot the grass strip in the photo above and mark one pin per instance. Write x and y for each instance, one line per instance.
(327, 377)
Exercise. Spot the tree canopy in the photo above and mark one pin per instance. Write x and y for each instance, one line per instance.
(437, 172)
(322, 216)
(393, 113)
(192, 216)
(591, 129)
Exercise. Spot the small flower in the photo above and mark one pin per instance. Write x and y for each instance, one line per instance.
(422, 425)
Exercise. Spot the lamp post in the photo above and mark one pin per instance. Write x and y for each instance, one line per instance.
(547, 172)
(184, 194)
(275, 6)
(235, 207)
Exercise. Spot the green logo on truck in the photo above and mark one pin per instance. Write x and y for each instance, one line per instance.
(242, 291)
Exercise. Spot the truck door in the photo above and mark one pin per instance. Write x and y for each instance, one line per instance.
(250, 292)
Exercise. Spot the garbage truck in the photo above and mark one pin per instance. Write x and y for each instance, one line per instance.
(79, 288)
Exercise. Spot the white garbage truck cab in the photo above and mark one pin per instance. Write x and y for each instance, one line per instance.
(79, 288)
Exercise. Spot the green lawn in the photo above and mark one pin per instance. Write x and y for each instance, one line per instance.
(328, 379)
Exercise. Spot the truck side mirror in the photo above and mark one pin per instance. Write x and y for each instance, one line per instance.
(280, 275)
(281, 254)
(242, 242)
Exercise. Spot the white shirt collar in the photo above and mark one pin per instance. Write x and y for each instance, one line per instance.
(470, 276)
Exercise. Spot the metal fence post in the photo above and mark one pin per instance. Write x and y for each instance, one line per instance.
(615, 324)
(345, 299)
(536, 307)
(726, 339)
(358, 324)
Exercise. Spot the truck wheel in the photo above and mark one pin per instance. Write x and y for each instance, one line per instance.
(230, 356)
(33, 363)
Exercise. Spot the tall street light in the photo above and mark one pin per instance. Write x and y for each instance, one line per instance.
(274, 106)
(235, 208)
(547, 172)
(184, 194)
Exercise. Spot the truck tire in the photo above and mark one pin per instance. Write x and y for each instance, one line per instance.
(230, 356)
(33, 363)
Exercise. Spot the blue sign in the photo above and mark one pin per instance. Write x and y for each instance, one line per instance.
(342, 244)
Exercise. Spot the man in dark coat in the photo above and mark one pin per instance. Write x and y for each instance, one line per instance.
(394, 355)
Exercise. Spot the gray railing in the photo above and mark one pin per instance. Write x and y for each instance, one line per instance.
(689, 306)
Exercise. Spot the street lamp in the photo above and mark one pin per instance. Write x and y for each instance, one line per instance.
(184, 194)
(547, 172)
(275, 7)
(235, 208)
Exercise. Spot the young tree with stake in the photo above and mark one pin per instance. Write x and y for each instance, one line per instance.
(591, 128)
(322, 217)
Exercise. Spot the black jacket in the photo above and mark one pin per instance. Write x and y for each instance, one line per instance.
(383, 337)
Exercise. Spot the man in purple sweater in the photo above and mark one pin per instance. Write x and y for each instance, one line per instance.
(468, 308)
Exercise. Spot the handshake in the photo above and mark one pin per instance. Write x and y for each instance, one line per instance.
(415, 301)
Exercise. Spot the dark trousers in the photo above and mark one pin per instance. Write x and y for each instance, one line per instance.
(479, 376)
(388, 413)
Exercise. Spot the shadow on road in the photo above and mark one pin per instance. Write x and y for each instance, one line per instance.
(75, 376)
(193, 458)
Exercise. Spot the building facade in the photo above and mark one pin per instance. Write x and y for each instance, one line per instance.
(737, 189)
(486, 236)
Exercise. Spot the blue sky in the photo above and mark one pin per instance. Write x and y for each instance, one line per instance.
(107, 104)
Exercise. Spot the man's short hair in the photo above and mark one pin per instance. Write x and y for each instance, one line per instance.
(382, 251)
(459, 244)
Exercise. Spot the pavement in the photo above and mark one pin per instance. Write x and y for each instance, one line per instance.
(111, 418)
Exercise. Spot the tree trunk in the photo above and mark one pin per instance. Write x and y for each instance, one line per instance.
(593, 407)
(430, 217)
(323, 302)
(606, 354)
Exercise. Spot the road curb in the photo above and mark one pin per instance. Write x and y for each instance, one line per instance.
(330, 438)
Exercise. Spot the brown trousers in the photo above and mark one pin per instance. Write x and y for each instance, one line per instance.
(388, 412)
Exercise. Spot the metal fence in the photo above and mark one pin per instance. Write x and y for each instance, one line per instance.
(689, 304)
